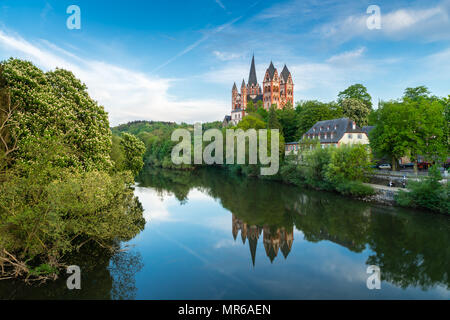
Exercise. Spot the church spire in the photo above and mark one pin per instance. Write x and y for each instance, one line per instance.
(252, 77)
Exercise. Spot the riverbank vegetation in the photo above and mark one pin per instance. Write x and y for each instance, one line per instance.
(60, 187)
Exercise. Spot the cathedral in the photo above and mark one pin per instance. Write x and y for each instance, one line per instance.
(278, 90)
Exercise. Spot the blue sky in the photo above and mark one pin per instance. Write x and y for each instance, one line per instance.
(177, 60)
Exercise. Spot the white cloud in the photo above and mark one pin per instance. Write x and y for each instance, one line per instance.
(226, 56)
(428, 24)
(347, 57)
(126, 94)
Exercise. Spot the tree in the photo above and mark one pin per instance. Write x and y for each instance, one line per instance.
(287, 118)
(416, 93)
(251, 122)
(409, 128)
(262, 113)
(311, 111)
(272, 120)
(356, 110)
(57, 104)
(356, 91)
(250, 107)
(134, 150)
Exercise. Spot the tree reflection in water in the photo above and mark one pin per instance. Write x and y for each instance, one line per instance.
(412, 248)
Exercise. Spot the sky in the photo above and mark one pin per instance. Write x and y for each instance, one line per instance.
(178, 60)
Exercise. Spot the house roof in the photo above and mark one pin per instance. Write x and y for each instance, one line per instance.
(367, 129)
(343, 125)
(252, 80)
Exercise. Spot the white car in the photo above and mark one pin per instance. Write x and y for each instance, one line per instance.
(384, 166)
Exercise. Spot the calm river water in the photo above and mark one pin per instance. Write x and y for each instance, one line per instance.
(212, 235)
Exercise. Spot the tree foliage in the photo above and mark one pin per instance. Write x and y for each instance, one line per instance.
(358, 92)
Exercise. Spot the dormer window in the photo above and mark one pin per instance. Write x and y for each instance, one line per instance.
(328, 128)
(314, 129)
(354, 125)
(321, 128)
(335, 127)
(326, 135)
(331, 136)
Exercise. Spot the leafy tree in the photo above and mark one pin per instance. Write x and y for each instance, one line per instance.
(57, 104)
(262, 113)
(251, 122)
(311, 111)
(349, 163)
(356, 91)
(134, 150)
(250, 107)
(287, 117)
(272, 120)
(356, 110)
(416, 93)
(409, 128)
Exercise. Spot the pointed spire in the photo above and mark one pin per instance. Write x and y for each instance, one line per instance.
(243, 83)
(271, 70)
(234, 87)
(285, 73)
(252, 77)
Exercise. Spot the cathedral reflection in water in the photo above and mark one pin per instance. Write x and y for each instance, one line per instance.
(275, 239)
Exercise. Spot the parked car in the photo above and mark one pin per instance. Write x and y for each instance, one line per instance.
(384, 166)
(423, 165)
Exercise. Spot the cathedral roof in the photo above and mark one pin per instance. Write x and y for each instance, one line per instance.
(252, 77)
(285, 74)
(271, 70)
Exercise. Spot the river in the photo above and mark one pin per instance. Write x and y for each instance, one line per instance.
(213, 235)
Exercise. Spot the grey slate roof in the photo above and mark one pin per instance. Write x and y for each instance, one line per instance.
(343, 125)
(285, 73)
(243, 83)
(234, 87)
(252, 76)
(271, 70)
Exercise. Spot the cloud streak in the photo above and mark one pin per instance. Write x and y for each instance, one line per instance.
(126, 94)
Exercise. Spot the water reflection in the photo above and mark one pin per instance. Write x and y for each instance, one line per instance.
(412, 248)
(295, 244)
(274, 239)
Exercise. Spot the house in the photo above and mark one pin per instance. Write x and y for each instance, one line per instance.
(226, 121)
(291, 148)
(337, 132)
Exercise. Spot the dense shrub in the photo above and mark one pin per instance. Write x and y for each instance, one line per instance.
(428, 193)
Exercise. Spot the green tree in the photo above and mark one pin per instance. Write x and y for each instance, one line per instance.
(416, 93)
(287, 117)
(57, 104)
(251, 122)
(356, 110)
(356, 91)
(272, 120)
(250, 107)
(409, 128)
(311, 111)
(134, 150)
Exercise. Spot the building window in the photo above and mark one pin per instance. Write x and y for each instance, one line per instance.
(354, 125)
(359, 136)
(350, 136)
(326, 135)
